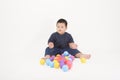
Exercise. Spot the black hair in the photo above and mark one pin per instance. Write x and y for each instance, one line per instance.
(62, 21)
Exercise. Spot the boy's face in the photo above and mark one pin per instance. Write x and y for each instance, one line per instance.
(61, 28)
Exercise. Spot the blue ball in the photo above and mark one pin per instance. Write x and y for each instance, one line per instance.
(66, 53)
(48, 62)
(65, 68)
(51, 64)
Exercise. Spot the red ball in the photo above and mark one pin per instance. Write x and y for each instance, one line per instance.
(69, 64)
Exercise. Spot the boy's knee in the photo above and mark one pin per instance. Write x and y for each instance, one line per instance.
(49, 51)
(73, 51)
(49, 48)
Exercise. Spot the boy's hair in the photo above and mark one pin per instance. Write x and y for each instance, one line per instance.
(62, 21)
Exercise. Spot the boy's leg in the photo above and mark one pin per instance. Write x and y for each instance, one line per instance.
(78, 54)
(81, 55)
(48, 52)
(51, 51)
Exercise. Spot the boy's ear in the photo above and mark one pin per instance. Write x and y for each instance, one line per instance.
(66, 27)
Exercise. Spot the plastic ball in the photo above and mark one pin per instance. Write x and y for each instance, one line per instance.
(65, 53)
(66, 57)
(57, 58)
(72, 57)
(48, 61)
(65, 61)
(51, 64)
(42, 61)
(83, 60)
(69, 64)
(61, 63)
(69, 55)
(56, 65)
(52, 58)
(55, 61)
(65, 68)
(58, 55)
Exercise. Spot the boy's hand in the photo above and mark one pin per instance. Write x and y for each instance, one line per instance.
(73, 45)
(47, 56)
(50, 45)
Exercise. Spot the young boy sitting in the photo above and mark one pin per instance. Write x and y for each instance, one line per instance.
(61, 41)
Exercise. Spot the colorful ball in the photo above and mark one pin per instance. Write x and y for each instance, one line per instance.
(51, 64)
(42, 61)
(69, 55)
(48, 61)
(61, 63)
(55, 61)
(52, 58)
(83, 60)
(66, 57)
(72, 57)
(69, 64)
(65, 53)
(56, 65)
(65, 68)
(57, 58)
(58, 55)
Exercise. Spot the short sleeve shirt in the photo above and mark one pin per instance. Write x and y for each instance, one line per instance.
(61, 41)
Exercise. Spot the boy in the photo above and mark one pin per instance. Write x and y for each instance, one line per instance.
(61, 41)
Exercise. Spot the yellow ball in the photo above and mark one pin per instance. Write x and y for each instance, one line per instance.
(83, 60)
(56, 65)
(55, 61)
(42, 61)
(66, 58)
(58, 55)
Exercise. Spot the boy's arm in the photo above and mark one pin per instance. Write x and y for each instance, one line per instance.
(73, 45)
(51, 41)
(51, 45)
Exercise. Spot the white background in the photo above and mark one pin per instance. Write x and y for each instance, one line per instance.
(25, 26)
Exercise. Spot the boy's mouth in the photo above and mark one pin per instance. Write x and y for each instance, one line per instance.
(60, 30)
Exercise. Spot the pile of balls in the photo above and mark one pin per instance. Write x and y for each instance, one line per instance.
(63, 61)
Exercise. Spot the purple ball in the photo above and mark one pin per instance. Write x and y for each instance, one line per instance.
(70, 59)
(61, 63)
(52, 58)
(69, 55)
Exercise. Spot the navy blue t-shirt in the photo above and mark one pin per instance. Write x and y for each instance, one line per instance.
(61, 41)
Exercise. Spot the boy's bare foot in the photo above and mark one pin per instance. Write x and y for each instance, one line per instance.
(87, 56)
(81, 55)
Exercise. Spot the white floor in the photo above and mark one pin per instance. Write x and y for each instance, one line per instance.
(25, 26)
(97, 68)
(26, 67)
